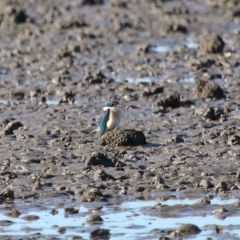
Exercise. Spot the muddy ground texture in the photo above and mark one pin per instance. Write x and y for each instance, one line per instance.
(83, 52)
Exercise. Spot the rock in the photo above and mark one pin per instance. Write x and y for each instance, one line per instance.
(176, 27)
(139, 188)
(97, 78)
(234, 140)
(13, 15)
(94, 219)
(62, 230)
(11, 127)
(206, 184)
(7, 194)
(188, 229)
(71, 210)
(119, 3)
(100, 234)
(212, 44)
(72, 23)
(221, 186)
(127, 137)
(93, 195)
(99, 159)
(13, 213)
(5, 223)
(144, 48)
(67, 97)
(177, 139)
(211, 113)
(208, 90)
(30, 217)
(172, 101)
(102, 175)
(92, 2)
(153, 91)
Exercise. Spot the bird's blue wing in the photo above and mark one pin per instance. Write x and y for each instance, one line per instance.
(103, 121)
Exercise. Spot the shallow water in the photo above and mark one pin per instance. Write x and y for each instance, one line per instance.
(122, 221)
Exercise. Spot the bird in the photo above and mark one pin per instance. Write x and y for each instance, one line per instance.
(110, 119)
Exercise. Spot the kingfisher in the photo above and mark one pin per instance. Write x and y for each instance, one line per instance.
(110, 119)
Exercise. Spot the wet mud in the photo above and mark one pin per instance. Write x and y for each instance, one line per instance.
(173, 64)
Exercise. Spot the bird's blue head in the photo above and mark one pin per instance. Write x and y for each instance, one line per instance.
(111, 103)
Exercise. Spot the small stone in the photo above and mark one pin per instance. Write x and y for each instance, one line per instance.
(177, 139)
(206, 184)
(212, 44)
(188, 229)
(173, 101)
(102, 175)
(62, 230)
(11, 127)
(7, 194)
(208, 90)
(234, 140)
(99, 158)
(139, 189)
(100, 234)
(13, 213)
(94, 219)
(221, 186)
(71, 210)
(30, 217)
(5, 223)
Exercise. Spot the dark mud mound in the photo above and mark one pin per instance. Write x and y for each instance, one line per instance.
(208, 90)
(127, 137)
(212, 44)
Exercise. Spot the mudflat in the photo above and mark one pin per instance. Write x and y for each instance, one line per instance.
(174, 65)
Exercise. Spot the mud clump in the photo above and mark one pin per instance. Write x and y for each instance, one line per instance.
(13, 213)
(100, 234)
(67, 98)
(99, 159)
(92, 2)
(208, 90)
(9, 129)
(6, 194)
(13, 15)
(30, 218)
(173, 101)
(97, 78)
(212, 113)
(127, 137)
(212, 44)
(154, 91)
(175, 27)
(188, 229)
(94, 219)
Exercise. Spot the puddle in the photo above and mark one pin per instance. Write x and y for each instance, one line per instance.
(52, 101)
(170, 45)
(4, 101)
(190, 43)
(139, 80)
(172, 202)
(126, 221)
(188, 79)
